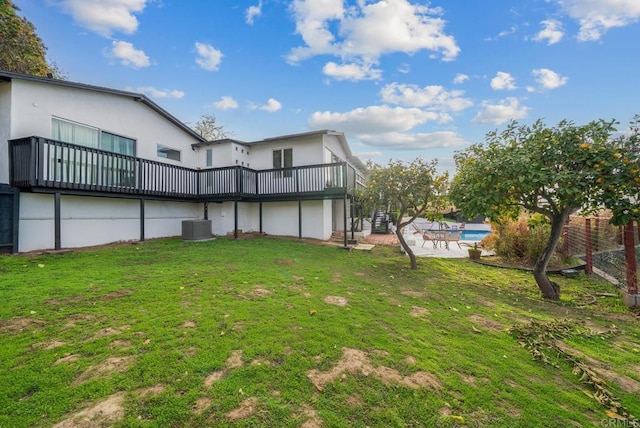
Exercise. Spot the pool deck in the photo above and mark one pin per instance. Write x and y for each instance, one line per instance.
(416, 242)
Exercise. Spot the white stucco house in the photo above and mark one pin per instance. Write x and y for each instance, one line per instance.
(83, 165)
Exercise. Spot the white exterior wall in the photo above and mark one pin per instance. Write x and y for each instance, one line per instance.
(5, 130)
(87, 221)
(36, 225)
(281, 218)
(222, 217)
(306, 151)
(34, 103)
(163, 218)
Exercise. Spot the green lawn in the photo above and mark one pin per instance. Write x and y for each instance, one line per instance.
(277, 333)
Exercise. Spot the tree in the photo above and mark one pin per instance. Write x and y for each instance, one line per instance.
(21, 50)
(553, 171)
(407, 189)
(209, 130)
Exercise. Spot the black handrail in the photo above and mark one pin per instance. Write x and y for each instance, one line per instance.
(41, 162)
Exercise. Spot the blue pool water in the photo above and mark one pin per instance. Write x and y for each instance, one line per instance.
(473, 235)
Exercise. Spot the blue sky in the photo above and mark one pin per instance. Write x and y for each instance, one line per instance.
(401, 78)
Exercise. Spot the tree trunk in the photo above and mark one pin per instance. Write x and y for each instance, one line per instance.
(549, 289)
(403, 243)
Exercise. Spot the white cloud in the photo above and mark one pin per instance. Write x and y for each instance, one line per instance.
(373, 119)
(159, 93)
(209, 58)
(271, 106)
(105, 16)
(253, 12)
(368, 30)
(596, 17)
(460, 78)
(352, 71)
(432, 97)
(404, 68)
(129, 55)
(551, 32)
(226, 102)
(414, 141)
(549, 79)
(504, 33)
(503, 81)
(502, 112)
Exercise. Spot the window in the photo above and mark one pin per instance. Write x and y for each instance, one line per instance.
(209, 157)
(168, 153)
(82, 135)
(283, 158)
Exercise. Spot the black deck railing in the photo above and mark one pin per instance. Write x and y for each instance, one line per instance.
(40, 163)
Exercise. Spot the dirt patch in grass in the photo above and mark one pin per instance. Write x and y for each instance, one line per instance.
(247, 407)
(410, 360)
(336, 300)
(103, 413)
(354, 401)
(336, 278)
(67, 359)
(49, 344)
(233, 362)
(151, 391)
(415, 294)
(72, 319)
(486, 323)
(260, 292)
(19, 325)
(188, 324)
(311, 416)
(417, 311)
(468, 379)
(120, 344)
(297, 278)
(284, 262)
(105, 368)
(108, 331)
(201, 405)
(64, 300)
(116, 294)
(213, 377)
(354, 361)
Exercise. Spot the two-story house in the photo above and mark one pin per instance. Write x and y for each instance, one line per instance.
(83, 165)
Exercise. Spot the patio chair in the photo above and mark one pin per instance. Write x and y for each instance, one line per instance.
(426, 236)
(451, 237)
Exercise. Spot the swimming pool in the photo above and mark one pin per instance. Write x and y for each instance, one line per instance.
(473, 235)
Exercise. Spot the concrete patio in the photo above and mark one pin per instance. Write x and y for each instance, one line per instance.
(423, 248)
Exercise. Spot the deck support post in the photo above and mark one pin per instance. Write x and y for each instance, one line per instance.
(141, 219)
(57, 222)
(299, 219)
(344, 218)
(206, 210)
(260, 215)
(235, 219)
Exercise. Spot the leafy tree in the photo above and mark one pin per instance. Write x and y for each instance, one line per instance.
(21, 50)
(620, 176)
(208, 129)
(553, 171)
(410, 190)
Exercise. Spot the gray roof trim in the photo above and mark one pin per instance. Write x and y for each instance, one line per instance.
(141, 98)
(220, 141)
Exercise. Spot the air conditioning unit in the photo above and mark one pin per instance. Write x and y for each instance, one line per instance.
(196, 230)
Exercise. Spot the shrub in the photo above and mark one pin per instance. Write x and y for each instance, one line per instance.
(521, 240)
